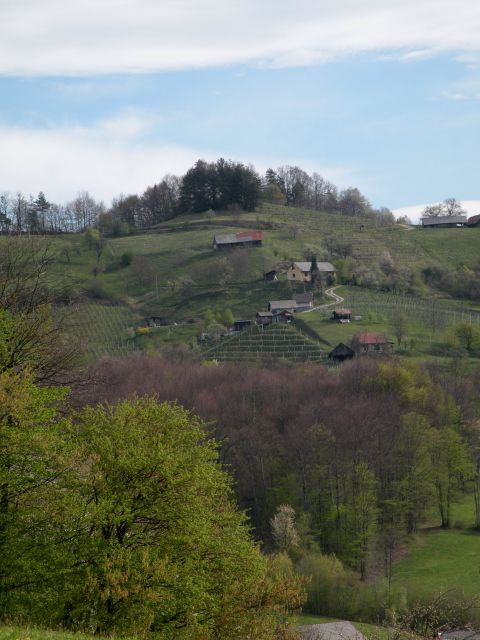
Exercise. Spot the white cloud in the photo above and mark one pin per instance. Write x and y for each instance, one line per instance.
(115, 155)
(116, 36)
(63, 161)
(468, 89)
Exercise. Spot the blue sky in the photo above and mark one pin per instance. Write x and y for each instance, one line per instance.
(111, 95)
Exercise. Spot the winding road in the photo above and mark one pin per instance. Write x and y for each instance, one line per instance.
(331, 294)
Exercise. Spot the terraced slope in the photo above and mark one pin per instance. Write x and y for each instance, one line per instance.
(277, 341)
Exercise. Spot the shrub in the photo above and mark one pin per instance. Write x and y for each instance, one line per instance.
(97, 290)
(126, 259)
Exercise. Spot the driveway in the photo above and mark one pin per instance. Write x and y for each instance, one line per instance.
(330, 631)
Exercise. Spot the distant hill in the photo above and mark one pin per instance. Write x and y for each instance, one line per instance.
(172, 270)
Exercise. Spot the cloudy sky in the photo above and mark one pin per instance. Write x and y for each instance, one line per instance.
(109, 95)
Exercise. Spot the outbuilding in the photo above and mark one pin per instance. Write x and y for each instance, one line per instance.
(341, 353)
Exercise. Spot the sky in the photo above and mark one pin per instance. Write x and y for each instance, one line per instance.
(110, 95)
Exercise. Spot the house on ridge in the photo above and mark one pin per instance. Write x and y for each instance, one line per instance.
(444, 221)
(474, 221)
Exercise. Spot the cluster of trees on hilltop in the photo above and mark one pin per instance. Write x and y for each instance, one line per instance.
(449, 207)
(219, 185)
(292, 186)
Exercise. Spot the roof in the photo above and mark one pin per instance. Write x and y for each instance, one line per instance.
(303, 298)
(322, 266)
(430, 221)
(239, 238)
(264, 314)
(341, 350)
(282, 304)
(342, 312)
(370, 338)
(250, 235)
(474, 219)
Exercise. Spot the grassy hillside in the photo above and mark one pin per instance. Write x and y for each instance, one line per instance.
(27, 633)
(175, 273)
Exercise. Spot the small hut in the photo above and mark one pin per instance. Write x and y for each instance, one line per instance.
(341, 353)
(342, 314)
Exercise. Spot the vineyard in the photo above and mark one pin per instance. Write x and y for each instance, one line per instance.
(277, 341)
(103, 330)
(368, 238)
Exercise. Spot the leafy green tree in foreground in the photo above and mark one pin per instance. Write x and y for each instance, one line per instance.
(124, 523)
(30, 451)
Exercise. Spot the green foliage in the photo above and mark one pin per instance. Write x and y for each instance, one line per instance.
(228, 318)
(91, 238)
(126, 258)
(124, 522)
(464, 335)
(30, 462)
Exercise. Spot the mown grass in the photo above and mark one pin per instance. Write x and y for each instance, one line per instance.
(440, 561)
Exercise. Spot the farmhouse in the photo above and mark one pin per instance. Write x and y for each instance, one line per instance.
(444, 221)
(302, 271)
(341, 353)
(304, 300)
(474, 221)
(371, 343)
(241, 239)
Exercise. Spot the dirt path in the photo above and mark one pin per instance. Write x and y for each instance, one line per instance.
(331, 294)
(330, 631)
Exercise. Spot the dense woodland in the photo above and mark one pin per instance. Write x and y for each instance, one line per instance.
(206, 186)
(362, 456)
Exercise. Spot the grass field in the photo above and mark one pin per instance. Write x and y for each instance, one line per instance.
(440, 561)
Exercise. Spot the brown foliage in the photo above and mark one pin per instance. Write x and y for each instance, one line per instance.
(282, 428)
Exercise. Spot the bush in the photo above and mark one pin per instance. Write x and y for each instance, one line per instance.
(97, 290)
(126, 259)
(335, 591)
